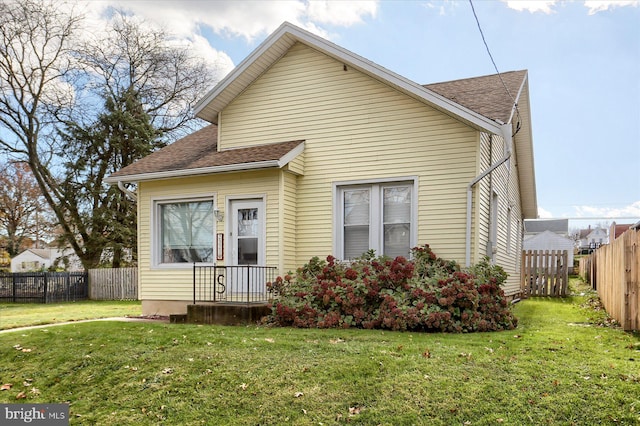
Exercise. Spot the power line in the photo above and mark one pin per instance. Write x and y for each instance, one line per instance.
(495, 66)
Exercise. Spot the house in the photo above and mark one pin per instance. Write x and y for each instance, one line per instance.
(548, 240)
(538, 226)
(42, 259)
(313, 150)
(617, 229)
(591, 239)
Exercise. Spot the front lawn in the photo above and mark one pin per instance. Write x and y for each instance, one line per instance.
(14, 315)
(555, 368)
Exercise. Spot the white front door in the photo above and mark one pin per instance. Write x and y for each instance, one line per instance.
(247, 246)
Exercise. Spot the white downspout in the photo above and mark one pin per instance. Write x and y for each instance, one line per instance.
(505, 129)
(128, 193)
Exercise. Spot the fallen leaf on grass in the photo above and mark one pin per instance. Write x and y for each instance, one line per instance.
(244, 386)
(35, 391)
(354, 411)
(6, 386)
(21, 395)
(167, 370)
(426, 353)
(269, 339)
(334, 341)
(298, 394)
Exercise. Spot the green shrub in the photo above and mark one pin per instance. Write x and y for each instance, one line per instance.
(426, 293)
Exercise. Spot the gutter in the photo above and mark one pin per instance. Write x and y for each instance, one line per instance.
(128, 193)
(505, 129)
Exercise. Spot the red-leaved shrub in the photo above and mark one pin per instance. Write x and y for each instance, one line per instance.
(426, 293)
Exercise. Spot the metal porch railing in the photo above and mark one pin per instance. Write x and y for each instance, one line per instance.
(239, 284)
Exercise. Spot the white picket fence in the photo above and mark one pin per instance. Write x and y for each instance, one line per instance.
(113, 284)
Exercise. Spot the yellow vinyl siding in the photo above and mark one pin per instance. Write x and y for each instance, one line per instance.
(504, 181)
(288, 223)
(164, 283)
(356, 128)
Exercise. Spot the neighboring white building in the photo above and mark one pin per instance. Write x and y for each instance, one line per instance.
(41, 259)
(591, 239)
(549, 240)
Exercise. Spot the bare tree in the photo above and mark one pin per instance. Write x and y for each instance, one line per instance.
(23, 216)
(46, 75)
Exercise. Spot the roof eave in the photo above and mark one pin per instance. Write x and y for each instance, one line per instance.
(169, 174)
(199, 171)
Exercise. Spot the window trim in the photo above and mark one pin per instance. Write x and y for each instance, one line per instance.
(338, 210)
(156, 229)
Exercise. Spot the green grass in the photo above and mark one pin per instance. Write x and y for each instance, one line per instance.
(13, 315)
(556, 368)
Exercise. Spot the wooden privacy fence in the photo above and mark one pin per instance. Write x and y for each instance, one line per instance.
(113, 284)
(544, 273)
(614, 271)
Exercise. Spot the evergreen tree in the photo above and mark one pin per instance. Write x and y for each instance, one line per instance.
(122, 134)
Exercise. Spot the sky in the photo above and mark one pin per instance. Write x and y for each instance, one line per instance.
(582, 57)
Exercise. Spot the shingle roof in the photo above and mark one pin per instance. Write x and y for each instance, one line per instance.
(199, 151)
(485, 95)
(559, 226)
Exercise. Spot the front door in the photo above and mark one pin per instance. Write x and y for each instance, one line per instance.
(247, 247)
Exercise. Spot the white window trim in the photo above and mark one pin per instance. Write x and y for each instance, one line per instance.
(338, 219)
(156, 228)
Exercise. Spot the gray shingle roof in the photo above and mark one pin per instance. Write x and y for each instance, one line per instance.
(199, 150)
(485, 95)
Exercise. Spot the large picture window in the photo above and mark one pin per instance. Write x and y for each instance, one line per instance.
(376, 216)
(186, 231)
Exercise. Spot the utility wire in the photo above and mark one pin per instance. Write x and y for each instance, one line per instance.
(495, 66)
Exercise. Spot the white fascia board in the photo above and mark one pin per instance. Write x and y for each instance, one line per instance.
(289, 156)
(194, 172)
(350, 59)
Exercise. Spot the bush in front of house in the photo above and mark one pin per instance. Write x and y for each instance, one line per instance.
(426, 293)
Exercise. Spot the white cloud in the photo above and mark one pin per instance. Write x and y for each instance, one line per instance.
(596, 6)
(632, 210)
(544, 6)
(342, 13)
(547, 6)
(247, 19)
(544, 214)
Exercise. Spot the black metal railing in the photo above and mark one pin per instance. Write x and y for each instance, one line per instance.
(239, 284)
(43, 287)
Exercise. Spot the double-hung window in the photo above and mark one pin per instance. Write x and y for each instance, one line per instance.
(375, 216)
(184, 231)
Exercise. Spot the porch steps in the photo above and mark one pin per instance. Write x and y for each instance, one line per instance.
(223, 314)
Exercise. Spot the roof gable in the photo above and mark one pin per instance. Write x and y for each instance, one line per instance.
(279, 43)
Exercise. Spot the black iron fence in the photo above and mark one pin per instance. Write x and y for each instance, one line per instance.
(43, 287)
(240, 284)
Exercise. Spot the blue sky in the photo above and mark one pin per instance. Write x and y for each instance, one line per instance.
(583, 59)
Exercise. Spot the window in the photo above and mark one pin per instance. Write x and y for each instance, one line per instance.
(377, 216)
(185, 231)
